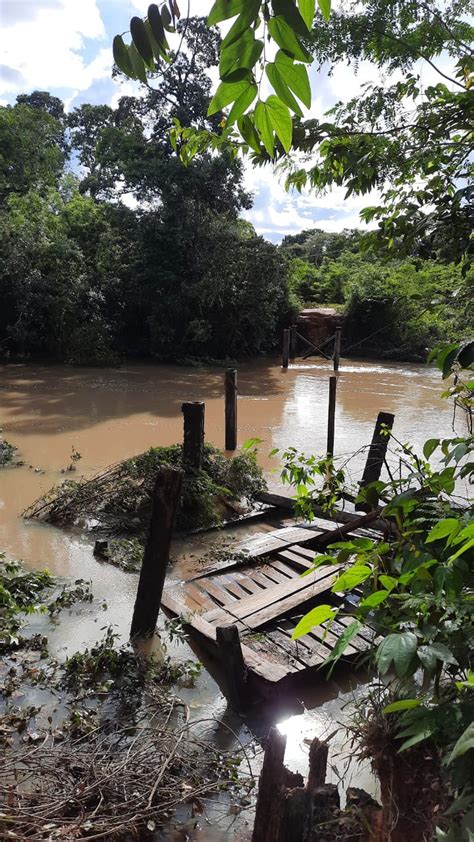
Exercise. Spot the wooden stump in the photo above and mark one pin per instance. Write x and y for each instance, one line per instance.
(231, 409)
(286, 347)
(376, 454)
(193, 440)
(337, 348)
(269, 806)
(156, 555)
(228, 641)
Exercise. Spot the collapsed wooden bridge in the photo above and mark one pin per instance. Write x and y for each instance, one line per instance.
(247, 611)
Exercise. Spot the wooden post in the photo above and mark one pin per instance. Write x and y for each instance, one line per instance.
(318, 759)
(230, 650)
(268, 808)
(231, 409)
(286, 347)
(337, 348)
(156, 555)
(193, 442)
(292, 342)
(376, 454)
(331, 414)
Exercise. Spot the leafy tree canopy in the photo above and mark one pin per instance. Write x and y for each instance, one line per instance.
(411, 142)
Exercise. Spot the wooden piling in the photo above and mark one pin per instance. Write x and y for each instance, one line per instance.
(337, 348)
(286, 347)
(193, 441)
(268, 809)
(232, 660)
(377, 453)
(231, 409)
(293, 338)
(165, 501)
(331, 415)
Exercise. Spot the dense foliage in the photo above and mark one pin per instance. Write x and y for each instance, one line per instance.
(133, 254)
(397, 309)
(408, 139)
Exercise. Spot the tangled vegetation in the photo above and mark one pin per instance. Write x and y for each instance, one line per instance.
(417, 590)
(121, 755)
(118, 500)
(7, 453)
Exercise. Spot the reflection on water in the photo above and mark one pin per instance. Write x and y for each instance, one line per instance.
(110, 414)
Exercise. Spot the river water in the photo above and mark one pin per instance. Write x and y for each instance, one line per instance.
(109, 414)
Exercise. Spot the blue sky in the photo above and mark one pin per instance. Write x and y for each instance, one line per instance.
(64, 46)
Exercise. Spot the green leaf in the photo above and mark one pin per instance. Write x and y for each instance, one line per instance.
(351, 578)
(442, 529)
(137, 64)
(166, 19)
(241, 104)
(343, 642)
(325, 6)
(295, 76)
(374, 599)
(288, 11)
(429, 447)
(307, 9)
(122, 57)
(396, 648)
(388, 582)
(240, 57)
(463, 744)
(430, 654)
(281, 89)
(313, 618)
(417, 738)
(403, 704)
(280, 120)
(226, 93)
(284, 36)
(463, 549)
(264, 126)
(466, 354)
(156, 26)
(244, 21)
(249, 133)
(446, 358)
(225, 9)
(141, 41)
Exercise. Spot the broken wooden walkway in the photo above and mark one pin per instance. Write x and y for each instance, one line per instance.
(265, 598)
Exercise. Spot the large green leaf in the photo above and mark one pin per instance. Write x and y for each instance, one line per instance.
(284, 36)
(466, 354)
(433, 652)
(295, 76)
(241, 104)
(442, 529)
(240, 56)
(137, 64)
(396, 648)
(288, 11)
(245, 20)
(465, 743)
(264, 126)
(325, 6)
(156, 26)
(225, 9)
(141, 41)
(307, 9)
(249, 133)
(281, 89)
(122, 57)
(280, 120)
(351, 578)
(166, 18)
(374, 599)
(429, 447)
(226, 93)
(313, 618)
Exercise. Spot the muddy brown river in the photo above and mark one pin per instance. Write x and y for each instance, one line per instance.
(109, 414)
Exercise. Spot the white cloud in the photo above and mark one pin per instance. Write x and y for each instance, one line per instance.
(43, 45)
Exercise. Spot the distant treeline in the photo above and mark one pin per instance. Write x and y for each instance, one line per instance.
(111, 248)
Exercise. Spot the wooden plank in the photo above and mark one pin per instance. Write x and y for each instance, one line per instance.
(315, 650)
(229, 584)
(246, 582)
(197, 595)
(284, 568)
(260, 577)
(220, 595)
(260, 609)
(346, 518)
(297, 560)
(261, 666)
(275, 575)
